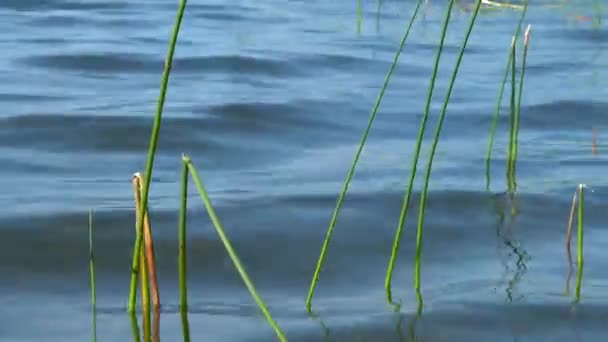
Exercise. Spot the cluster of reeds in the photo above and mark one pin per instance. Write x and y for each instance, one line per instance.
(515, 107)
(408, 192)
(143, 264)
(143, 261)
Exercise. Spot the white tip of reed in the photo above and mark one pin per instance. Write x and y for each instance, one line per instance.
(527, 34)
(137, 175)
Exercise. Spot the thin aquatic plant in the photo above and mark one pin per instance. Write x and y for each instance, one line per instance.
(92, 272)
(351, 171)
(143, 271)
(500, 97)
(183, 287)
(421, 131)
(135, 264)
(134, 326)
(408, 192)
(513, 113)
(138, 179)
(580, 260)
(185, 325)
(231, 252)
(518, 108)
(427, 177)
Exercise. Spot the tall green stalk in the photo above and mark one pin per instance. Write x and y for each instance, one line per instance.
(351, 171)
(518, 108)
(580, 260)
(408, 193)
(500, 96)
(92, 271)
(183, 288)
(510, 185)
(434, 146)
(235, 259)
(151, 152)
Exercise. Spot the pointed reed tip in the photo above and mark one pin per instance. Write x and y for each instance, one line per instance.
(137, 175)
(527, 34)
(186, 158)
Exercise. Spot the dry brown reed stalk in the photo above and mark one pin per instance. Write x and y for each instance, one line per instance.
(156, 333)
(148, 241)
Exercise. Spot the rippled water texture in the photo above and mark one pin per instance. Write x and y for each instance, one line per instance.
(270, 99)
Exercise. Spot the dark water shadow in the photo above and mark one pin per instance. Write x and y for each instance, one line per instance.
(507, 213)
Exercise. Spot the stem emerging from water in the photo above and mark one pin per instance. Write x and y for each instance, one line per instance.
(351, 171)
(135, 264)
(434, 146)
(235, 259)
(183, 288)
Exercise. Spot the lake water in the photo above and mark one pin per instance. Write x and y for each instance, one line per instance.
(270, 99)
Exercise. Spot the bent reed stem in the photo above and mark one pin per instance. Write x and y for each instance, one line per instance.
(231, 252)
(436, 142)
(135, 264)
(351, 171)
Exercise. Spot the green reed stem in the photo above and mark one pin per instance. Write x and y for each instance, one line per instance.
(500, 97)
(513, 112)
(151, 152)
(351, 171)
(518, 108)
(134, 326)
(407, 197)
(183, 288)
(427, 177)
(580, 260)
(185, 326)
(235, 259)
(92, 271)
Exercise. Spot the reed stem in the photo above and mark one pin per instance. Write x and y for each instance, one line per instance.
(518, 108)
(399, 231)
(570, 224)
(138, 179)
(436, 142)
(92, 272)
(134, 326)
(183, 288)
(513, 112)
(185, 325)
(499, 101)
(580, 259)
(351, 171)
(143, 271)
(135, 264)
(231, 252)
